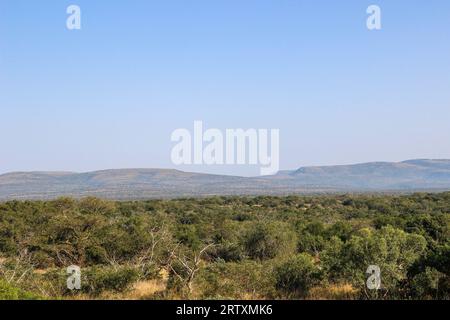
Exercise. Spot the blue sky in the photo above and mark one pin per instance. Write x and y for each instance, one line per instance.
(109, 95)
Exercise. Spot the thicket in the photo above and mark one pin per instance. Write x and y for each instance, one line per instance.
(295, 247)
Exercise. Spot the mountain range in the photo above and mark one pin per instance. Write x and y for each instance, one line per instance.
(123, 184)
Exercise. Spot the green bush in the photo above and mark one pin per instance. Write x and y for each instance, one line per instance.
(99, 279)
(269, 240)
(296, 276)
(9, 292)
(244, 280)
(393, 250)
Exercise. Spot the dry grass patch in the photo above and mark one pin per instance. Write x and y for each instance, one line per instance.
(334, 292)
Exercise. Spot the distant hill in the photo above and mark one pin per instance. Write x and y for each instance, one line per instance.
(412, 175)
(407, 175)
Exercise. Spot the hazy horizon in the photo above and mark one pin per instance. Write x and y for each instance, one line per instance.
(110, 95)
(212, 170)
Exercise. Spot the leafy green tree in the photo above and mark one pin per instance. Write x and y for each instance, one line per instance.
(392, 250)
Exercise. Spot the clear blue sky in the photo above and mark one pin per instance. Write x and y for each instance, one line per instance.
(109, 95)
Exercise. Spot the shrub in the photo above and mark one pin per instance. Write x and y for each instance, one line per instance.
(99, 279)
(296, 276)
(269, 240)
(393, 250)
(426, 285)
(243, 280)
(9, 292)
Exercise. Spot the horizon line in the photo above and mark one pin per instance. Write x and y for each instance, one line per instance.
(216, 174)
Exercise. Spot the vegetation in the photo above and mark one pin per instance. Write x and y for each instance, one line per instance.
(315, 247)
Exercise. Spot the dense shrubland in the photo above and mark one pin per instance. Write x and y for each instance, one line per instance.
(228, 247)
